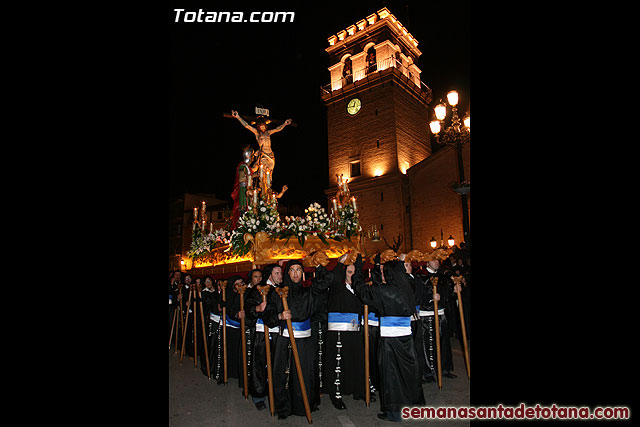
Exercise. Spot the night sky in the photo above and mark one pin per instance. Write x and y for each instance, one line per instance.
(217, 67)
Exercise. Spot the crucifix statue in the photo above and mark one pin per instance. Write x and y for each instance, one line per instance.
(266, 157)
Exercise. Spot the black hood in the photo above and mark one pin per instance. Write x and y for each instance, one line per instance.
(396, 275)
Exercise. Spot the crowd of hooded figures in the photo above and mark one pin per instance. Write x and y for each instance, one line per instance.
(325, 309)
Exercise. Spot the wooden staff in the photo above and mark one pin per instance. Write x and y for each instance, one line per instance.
(283, 292)
(195, 330)
(179, 324)
(223, 286)
(264, 290)
(241, 289)
(173, 323)
(464, 329)
(367, 391)
(204, 337)
(184, 332)
(434, 282)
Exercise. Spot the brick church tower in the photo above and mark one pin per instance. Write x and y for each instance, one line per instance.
(377, 114)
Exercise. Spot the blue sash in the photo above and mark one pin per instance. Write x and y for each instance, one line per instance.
(300, 329)
(373, 319)
(395, 326)
(260, 326)
(342, 321)
(232, 323)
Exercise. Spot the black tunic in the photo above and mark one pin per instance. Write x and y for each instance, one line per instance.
(210, 300)
(187, 291)
(459, 270)
(319, 335)
(288, 395)
(173, 304)
(258, 378)
(399, 372)
(213, 300)
(346, 375)
(181, 307)
(424, 296)
(234, 349)
(201, 335)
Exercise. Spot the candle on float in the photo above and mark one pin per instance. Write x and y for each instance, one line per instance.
(195, 213)
(249, 181)
(210, 227)
(335, 206)
(261, 171)
(255, 198)
(353, 200)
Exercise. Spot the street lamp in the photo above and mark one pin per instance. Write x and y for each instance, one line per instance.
(434, 243)
(456, 135)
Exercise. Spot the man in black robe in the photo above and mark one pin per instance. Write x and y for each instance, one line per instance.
(344, 368)
(234, 341)
(395, 304)
(300, 300)
(461, 270)
(262, 313)
(187, 304)
(253, 278)
(216, 360)
(173, 303)
(425, 297)
(319, 335)
(374, 335)
(210, 301)
(416, 326)
(199, 317)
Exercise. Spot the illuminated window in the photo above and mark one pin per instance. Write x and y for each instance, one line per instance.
(354, 169)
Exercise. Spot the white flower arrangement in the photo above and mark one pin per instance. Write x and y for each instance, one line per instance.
(315, 222)
(267, 220)
(202, 245)
(348, 223)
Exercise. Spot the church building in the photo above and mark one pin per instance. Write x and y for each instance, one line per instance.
(378, 113)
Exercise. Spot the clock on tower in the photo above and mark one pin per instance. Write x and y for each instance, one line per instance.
(354, 106)
(377, 119)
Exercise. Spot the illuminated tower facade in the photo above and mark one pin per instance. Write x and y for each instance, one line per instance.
(377, 114)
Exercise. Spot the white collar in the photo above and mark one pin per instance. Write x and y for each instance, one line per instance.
(349, 288)
(430, 270)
